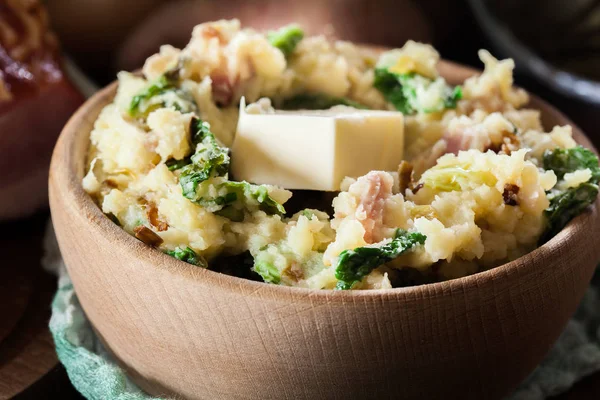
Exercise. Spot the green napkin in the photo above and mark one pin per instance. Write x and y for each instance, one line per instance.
(88, 365)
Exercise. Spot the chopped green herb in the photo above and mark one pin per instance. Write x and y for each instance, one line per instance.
(286, 38)
(318, 101)
(353, 265)
(189, 256)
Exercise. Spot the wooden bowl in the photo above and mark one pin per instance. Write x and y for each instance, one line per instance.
(185, 331)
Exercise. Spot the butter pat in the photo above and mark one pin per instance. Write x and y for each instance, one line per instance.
(314, 150)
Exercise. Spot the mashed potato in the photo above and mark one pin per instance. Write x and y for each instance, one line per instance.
(473, 191)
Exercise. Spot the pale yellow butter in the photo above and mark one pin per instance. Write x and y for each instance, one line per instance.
(315, 149)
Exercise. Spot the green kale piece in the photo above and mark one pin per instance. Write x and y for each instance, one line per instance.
(563, 161)
(162, 84)
(163, 92)
(261, 195)
(200, 131)
(278, 263)
(229, 199)
(173, 164)
(568, 203)
(247, 192)
(412, 93)
(394, 92)
(353, 265)
(231, 213)
(189, 256)
(267, 271)
(209, 160)
(224, 197)
(454, 96)
(286, 38)
(318, 101)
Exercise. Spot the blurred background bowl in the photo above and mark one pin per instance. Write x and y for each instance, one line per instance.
(556, 42)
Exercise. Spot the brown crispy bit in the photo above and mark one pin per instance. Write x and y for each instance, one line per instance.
(495, 147)
(405, 170)
(152, 214)
(510, 194)
(111, 183)
(416, 188)
(509, 142)
(295, 272)
(147, 235)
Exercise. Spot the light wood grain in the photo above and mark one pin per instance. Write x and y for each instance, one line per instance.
(191, 332)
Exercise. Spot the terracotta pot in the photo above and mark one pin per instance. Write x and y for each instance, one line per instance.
(185, 331)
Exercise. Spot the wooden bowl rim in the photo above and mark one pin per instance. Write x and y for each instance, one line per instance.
(85, 207)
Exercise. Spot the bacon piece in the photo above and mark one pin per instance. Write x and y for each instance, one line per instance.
(462, 139)
(469, 138)
(374, 189)
(222, 89)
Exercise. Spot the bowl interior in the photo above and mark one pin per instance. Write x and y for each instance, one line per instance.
(70, 158)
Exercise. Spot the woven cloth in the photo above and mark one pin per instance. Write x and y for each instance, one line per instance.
(95, 375)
